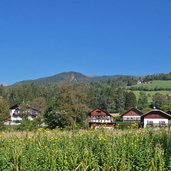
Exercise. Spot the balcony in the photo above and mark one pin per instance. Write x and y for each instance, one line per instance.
(131, 119)
(104, 119)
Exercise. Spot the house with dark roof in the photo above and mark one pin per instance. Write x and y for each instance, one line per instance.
(17, 112)
(155, 118)
(132, 115)
(100, 118)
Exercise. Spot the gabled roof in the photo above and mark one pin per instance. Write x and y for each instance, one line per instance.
(156, 110)
(15, 106)
(28, 107)
(135, 110)
(169, 112)
(100, 110)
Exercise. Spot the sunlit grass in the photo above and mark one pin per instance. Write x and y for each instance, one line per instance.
(86, 150)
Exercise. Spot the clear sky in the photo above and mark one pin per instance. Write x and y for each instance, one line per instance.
(96, 37)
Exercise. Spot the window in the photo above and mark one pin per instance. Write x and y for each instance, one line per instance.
(150, 123)
(162, 123)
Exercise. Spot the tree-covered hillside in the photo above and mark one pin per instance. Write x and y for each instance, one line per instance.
(70, 77)
(67, 104)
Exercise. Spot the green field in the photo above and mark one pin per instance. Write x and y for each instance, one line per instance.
(152, 85)
(150, 94)
(151, 88)
(86, 150)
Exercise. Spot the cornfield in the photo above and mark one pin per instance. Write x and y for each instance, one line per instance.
(91, 150)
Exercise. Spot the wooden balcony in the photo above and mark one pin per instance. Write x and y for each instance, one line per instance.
(131, 119)
(102, 119)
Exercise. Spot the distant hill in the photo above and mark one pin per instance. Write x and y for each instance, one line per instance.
(68, 77)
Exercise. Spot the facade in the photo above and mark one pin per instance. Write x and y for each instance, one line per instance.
(132, 115)
(17, 113)
(100, 118)
(155, 118)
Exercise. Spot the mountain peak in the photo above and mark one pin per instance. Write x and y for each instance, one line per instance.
(67, 77)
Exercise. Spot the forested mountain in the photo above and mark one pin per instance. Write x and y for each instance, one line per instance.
(68, 77)
(58, 95)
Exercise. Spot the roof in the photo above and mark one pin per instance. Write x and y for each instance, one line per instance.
(154, 110)
(169, 112)
(15, 106)
(28, 107)
(101, 110)
(135, 110)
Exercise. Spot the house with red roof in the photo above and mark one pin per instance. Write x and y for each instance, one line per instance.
(100, 118)
(155, 118)
(132, 115)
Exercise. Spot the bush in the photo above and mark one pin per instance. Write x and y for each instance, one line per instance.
(127, 125)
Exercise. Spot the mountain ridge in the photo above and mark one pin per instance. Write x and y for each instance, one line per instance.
(68, 77)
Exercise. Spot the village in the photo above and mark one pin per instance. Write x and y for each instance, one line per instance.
(99, 118)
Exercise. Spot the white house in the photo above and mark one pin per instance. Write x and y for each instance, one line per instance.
(16, 114)
(155, 118)
(100, 118)
(132, 115)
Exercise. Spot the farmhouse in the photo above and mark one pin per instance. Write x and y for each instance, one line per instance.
(155, 118)
(100, 118)
(17, 113)
(132, 115)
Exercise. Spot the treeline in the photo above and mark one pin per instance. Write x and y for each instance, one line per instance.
(161, 76)
(68, 104)
(143, 88)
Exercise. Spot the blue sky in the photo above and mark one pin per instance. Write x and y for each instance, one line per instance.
(96, 37)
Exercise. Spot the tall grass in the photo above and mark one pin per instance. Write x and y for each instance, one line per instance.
(98, 150)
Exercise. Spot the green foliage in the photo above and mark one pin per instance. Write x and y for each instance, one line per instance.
(159, 100)
(74, 99)
(156, 85)
(2, 91)
(28, 125)
(86, 150)
(75, 77)
(24, 93)
(54, 118)
(130, 100)
(166, 106)
(161, 76)
(142, 101)
(127, 125)
(120, 100)
(4, 111)
(38, 103)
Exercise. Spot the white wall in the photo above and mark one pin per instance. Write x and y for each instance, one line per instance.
(155, 121)
(14, 119)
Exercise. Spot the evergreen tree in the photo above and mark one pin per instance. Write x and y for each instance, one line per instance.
(54, 118)
(120, 100)
(159, 100)
(130, 100)
(4, 112)
(143, 101)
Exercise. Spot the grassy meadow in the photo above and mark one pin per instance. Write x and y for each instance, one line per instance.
(91, 150)
(156, 84)
(151, 88)
(150, 94)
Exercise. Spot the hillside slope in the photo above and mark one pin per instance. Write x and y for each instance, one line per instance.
(68, 77)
